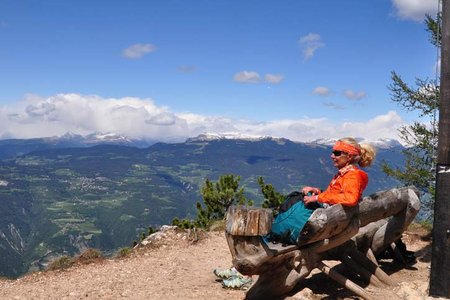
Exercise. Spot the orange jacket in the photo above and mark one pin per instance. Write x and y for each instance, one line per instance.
(346, 187)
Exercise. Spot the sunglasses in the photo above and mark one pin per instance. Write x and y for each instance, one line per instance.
(338, 153)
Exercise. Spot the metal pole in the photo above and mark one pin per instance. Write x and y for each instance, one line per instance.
(440, 261)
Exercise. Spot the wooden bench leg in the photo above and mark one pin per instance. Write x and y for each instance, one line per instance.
(371, 256)
(286, 271)
(366, 274)
(372, 267)
(347, 283)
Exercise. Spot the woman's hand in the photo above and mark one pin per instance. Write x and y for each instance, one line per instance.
(310, 199)
(312, 190)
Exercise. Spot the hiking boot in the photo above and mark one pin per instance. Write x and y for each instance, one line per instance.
(409, 257)
(226, 273)
(237, 282)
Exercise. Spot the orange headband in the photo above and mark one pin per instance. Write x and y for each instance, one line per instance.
(347, 148)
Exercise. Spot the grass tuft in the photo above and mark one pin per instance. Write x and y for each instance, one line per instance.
(61, 263)
(89, 256)
(124, 252)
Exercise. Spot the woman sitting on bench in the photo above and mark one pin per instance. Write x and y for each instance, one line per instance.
(348, 185)
(346, 188)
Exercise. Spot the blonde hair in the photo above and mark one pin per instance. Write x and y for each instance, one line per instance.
(368, 152)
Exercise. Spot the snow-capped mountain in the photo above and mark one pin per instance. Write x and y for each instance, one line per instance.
(98, 138)
(208, 137)
(15, 147)
(386, 143)
(224, 136)
(379, 144)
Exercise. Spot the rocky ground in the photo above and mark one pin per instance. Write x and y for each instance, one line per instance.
(179, 265)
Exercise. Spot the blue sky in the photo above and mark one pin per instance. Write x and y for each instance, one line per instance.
(169, 70)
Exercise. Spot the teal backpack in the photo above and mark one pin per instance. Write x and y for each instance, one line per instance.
(292, 217)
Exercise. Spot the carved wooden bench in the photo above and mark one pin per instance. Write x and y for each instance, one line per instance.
(352, 235)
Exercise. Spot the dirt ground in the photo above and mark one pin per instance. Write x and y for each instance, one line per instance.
(175, 265)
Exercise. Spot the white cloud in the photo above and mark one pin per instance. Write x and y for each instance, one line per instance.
(254, 77)
(333, 105)
(247, 77)
(383, 126)
(142, 118)
(138, 50)
(322, 91)
(352, 95)
(83, 114)
(273, 78)
(306, 129)
(415, 9)
(163, 119)
(310, 43)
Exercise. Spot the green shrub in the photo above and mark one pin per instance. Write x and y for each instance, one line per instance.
(61, 263)
(183, 224)
(151, 230)
(176, 222)
(217, 198)
(423, 225)
(89, 256)
(427, 225)
(124, 252)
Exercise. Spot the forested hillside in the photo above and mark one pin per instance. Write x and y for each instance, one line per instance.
(61, 201)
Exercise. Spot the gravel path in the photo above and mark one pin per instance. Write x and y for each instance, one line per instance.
(177, 268)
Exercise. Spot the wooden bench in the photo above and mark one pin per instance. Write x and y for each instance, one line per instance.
(352, 235)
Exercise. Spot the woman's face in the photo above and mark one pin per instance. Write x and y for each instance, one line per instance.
(340, 159)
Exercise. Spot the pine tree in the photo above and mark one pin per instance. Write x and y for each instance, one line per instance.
(218, 197)
(272, 198)
(420, 137)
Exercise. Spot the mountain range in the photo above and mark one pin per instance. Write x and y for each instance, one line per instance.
(59, 196)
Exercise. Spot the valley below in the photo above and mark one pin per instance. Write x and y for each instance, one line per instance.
(61, 201)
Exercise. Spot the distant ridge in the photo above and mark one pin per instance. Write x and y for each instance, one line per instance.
(10, 148)
(380, 143)
(225, 136)
(241, 137)
(383, 143)
(76, 140)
